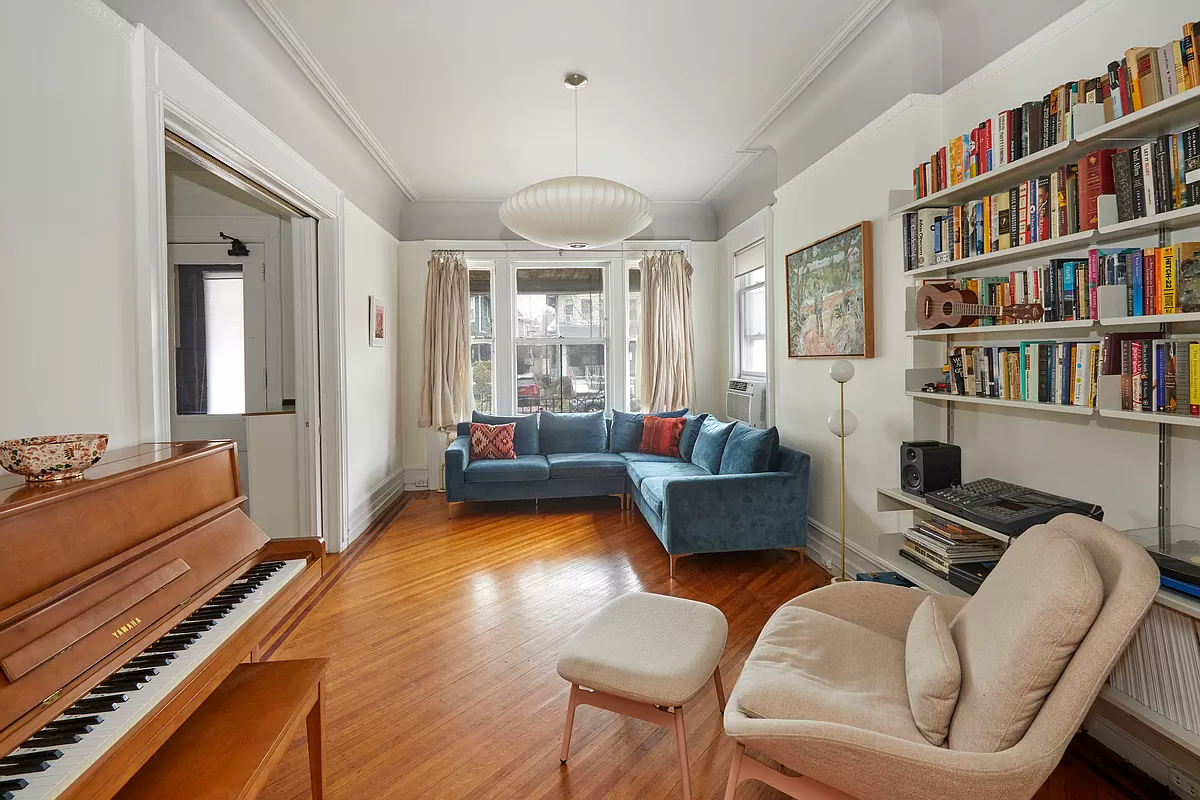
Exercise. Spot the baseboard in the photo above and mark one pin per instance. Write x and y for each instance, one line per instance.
(378, 498)
(825, 547)
(416, 479)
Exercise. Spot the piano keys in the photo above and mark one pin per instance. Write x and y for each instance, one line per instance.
(97, 669)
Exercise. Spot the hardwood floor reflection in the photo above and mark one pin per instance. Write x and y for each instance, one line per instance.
(444, 634)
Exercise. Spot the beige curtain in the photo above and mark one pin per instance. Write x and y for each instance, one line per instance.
(666, 364)
(446, 363)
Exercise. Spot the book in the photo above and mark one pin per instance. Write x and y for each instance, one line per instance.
(1095, 179)
(1044, 205)
(1148, 193)
(1114, 83)
(1191, 164)
(1194, 379)
(1166, 261)
(1122, 166)
(1147, 85)
(1190, 32)
(1187, 277)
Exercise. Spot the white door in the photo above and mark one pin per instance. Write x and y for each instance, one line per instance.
(218, 342)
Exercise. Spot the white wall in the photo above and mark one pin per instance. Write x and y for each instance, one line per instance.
(373, 395)
(67, 222)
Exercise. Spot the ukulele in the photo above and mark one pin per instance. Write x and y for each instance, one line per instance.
(944, 305)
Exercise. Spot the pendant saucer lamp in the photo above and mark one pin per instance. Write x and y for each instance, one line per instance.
(576, 212)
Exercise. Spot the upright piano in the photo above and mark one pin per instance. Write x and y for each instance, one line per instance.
(126, 598)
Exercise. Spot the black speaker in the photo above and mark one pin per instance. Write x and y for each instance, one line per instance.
(927, 466)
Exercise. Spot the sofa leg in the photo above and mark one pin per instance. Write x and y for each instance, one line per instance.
(681, 748)
(571, 704)
(450, 506)
(720, 689)
(674, 558)
(735, 769)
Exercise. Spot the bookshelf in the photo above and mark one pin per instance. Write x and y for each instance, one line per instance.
(1168, 116)
(888, 552)
(899, 500)
(1010, 332)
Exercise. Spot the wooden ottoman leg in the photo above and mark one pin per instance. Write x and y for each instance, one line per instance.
(574, 701)
(735, 769)
(681, 746)
(316, 744)
(720, 689)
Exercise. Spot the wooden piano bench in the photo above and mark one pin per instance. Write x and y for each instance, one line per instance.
(228, 747)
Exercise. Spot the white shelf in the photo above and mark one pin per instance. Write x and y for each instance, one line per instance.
(900, 500)
(1156, 417)
(888, 553)
(1016, 331)
(1157, 722)
(1171, 220)
(1168, 116)
(1178, 601)
(1001, 178)
(1150, 319)
(1060, 244)
(1028, 405)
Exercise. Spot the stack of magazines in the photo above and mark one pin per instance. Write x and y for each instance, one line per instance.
(938, 544)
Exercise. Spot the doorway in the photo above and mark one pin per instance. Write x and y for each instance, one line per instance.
(230, 309)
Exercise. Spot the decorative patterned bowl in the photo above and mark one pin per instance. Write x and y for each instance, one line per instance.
(52, 458)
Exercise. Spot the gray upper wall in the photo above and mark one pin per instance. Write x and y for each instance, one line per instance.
(924, 46)
(227, 43)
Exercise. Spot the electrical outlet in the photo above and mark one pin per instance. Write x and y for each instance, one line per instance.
(1183, 784)
(421, 483)
(828, 564)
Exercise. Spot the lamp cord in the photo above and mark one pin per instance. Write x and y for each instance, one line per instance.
(577, 132)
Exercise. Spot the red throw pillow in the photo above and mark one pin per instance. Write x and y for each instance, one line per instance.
(660, 435)
(492, 441)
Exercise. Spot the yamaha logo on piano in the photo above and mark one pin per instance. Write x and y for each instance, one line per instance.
(127, 627)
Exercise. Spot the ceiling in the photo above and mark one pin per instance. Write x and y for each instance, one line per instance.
(467, 99)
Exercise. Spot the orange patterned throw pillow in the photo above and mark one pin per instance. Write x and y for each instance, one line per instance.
(492, 441)
(660, 435)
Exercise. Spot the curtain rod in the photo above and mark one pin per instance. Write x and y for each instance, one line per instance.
(560, 252)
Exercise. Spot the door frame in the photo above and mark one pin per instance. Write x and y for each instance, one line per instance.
(170, 95)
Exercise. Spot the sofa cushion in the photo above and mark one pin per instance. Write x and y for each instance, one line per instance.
(626, 432)
(521, 468)
(635, 457)
(749, 450)
(585, 465)
(660, 435)
(640, 470)
(525, 442)
(710, 444)
(573, 433)
(932, 671)
(808, 665)
(492, 441)
(691, 429)
(1016, 635)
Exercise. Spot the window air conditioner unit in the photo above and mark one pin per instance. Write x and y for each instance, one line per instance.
(746, 401)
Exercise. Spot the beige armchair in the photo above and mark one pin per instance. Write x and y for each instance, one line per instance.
(825, 693)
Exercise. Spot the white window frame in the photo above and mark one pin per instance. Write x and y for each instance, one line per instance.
(472, 340)
(629, 382)
(606, 268)
(739, 336)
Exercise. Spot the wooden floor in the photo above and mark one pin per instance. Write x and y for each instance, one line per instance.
(444, 634)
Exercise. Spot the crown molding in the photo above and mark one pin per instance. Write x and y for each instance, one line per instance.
(109, 17)
(868, 130)
(272, 18)
(863, 16)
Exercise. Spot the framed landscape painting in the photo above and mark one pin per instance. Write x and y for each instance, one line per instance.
(829, 297)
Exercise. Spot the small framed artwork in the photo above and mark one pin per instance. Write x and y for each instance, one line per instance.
(829, 308)
(378, 321)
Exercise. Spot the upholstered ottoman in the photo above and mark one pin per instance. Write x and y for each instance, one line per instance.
(644, 656)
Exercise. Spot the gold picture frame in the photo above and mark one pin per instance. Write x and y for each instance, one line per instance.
(830, 313)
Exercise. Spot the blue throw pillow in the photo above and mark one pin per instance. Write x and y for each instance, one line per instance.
(710, 444)
(525, 439)
(691, 430)
(749, 450)
(573, 433)
(626, 434)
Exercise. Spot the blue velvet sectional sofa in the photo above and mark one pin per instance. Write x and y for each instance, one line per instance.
(732, 488)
